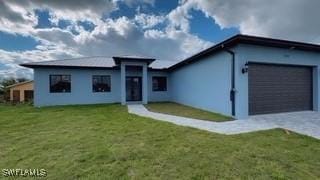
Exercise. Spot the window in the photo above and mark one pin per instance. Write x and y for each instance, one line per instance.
(101, 83)
(60, 83)
(159, 83)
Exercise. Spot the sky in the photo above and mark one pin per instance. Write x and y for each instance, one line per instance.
(168, 30)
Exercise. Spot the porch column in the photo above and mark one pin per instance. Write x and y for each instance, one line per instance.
(123, 83)
(145, 84)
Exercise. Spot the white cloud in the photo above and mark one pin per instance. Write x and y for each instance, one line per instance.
(19, 17)
(288, 19)
(73, 10)
(123, 36)
(148, 21)
(179, 17)
(135, 2)
(9, 61)
(16, 19)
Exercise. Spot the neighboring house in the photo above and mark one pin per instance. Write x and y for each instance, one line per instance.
(21, 92)
(242, 76)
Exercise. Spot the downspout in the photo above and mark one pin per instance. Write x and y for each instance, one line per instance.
(233, 88)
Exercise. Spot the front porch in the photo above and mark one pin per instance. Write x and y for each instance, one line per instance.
(134, 79)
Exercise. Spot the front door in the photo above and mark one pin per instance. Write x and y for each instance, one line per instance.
(16, 95)
(133, 88)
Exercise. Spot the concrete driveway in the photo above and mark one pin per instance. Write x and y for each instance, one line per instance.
(306, 122)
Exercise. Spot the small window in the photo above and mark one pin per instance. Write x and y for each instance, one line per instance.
(159, 83)
(101, 83)
(60, 83)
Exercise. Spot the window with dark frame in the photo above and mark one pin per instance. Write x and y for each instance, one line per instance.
(60, 83)
(101, 83)
(159, 83)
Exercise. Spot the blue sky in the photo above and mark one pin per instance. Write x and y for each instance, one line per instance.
(169, 30)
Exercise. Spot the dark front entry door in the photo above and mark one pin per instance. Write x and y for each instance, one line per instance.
(16, 95)
(133, 88)
(279, 88)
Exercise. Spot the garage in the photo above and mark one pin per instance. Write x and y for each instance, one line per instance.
(279, 88)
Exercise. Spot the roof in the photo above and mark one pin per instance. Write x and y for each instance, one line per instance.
(18, 84)
(102, 62)
(85, 62)
(112, 62)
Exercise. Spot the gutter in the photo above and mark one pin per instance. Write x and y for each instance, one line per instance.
(233, 88)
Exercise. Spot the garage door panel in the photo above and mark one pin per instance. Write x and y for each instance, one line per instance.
(279, 88)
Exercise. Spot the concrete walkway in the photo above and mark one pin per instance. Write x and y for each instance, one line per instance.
(306, 122)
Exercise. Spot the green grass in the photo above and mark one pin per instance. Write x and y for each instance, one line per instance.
(185, 111)
(105, 142)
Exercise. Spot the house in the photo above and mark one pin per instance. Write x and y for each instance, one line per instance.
(241, 76)
(21, 92)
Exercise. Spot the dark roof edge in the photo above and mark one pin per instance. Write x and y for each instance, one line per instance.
(81, 67)
(118, 59)
(248, 39)
(65, 66)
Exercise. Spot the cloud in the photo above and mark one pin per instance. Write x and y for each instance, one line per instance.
(136, 2)
(19, 16)
(9, 61)
(179, 17)
(55, 36)
(288, 19)
(148, 21)
(16, 19)
(124, 36)
(71, 10)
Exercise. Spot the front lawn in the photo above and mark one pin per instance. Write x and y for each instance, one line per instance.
(105, 142)
(185, 111)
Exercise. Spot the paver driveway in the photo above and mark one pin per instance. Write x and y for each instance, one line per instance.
(306, 122)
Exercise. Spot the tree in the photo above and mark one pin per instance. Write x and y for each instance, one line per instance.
(7, 82)
(19, 80)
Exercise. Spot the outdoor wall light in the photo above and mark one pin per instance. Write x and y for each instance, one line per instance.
(245, 68)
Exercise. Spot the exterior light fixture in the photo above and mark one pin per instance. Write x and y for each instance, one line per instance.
(245, 68)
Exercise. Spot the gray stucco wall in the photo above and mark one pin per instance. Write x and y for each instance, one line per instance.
(81, 87)
(158, 95)
(251, 53)
(204, 84)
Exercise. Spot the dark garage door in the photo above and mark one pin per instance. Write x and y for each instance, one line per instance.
(279, 88)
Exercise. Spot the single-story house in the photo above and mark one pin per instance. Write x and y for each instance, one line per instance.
(241, 76)
(21, 92)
